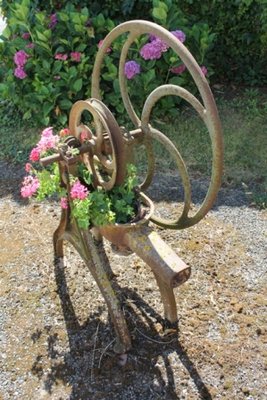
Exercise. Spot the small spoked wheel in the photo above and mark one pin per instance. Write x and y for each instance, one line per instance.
(106, 159)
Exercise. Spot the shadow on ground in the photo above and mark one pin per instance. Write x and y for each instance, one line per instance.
(90, 366)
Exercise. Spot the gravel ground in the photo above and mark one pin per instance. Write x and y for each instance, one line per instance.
(56, 337)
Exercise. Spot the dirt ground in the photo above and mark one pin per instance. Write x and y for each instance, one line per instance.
(56, 338)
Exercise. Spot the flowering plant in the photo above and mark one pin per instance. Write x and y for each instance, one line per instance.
(90, 206)
(48, 49)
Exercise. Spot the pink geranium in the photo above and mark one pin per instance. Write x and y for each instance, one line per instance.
(64, 203)
(75, 56)
(85, 135)
(28, 167)
(47, 132)
(30, 186)
(78, 191)
(48, 140)
(35, 154)
(64, 132)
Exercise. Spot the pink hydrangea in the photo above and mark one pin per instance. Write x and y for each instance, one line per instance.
(61, 56)
(153, 50)
(178, 70)
(30, 45)
(26, 36)
(180, 35)
(64, 203)
(75, 56)
(20, 73)
(131, 68)
(204, 70)
(100, 44)
(20, 58)
(30, 186)
(78, 191)
(35, 154)
(53, 21)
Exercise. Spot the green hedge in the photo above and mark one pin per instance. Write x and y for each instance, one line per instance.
(48, 51)
(240, 47)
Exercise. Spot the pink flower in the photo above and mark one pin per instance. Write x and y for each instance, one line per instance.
(204, 70)
(57, 77)
(61, 56)
(178, 70)
(28, 167)
(30, 186)
(47, 132)
(35, 154)
(64, 203)
(20, 58)
(75, 56)
(78, 191)
(48, 140)
(180, 35)
(20, 73)
(131, 69)
(64, 132)
(100, 44)
(26, 36)
(30, 45)
(53, 21)
(153, 50)
(85, 135)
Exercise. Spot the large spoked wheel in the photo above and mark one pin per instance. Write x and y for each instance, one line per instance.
(106, 160)
(207, 111)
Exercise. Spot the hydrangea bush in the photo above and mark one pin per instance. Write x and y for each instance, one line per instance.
(48, 54)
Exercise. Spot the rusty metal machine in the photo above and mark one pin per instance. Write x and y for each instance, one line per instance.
(109, 138)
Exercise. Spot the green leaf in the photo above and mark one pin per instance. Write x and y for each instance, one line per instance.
(46, 65)
(57, 67)
(77, 85)
(176, 81)
(116, 86)
(149, 76)
(65, 104)
(99, 20)
(160, 14)
(47, 107)
(27, 115)
(6, 33)
(41, 36)
(72, 72)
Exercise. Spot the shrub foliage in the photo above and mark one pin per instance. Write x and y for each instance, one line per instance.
(48, 50)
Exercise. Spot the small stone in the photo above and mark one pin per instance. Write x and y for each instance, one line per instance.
(245, 390)
(239, 308)
(228, 384)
